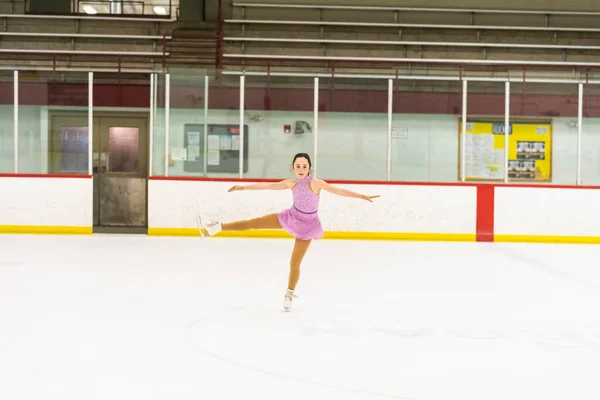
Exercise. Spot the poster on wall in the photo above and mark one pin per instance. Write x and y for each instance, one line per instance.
(221, 148)
(529, 150)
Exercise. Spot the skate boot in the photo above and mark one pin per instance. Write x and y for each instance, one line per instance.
(210, 227)
(287, 301)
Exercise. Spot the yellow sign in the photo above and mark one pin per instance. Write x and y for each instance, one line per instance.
(529, 150)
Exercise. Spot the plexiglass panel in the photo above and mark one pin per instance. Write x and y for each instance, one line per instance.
(280, 117)
(353, 119)
(203, 125)
(6, 122)
(590, 140)
(484, 141)
(424, 130)
(53, 123)
(543, 140)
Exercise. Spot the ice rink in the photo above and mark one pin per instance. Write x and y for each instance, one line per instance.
(135, 317)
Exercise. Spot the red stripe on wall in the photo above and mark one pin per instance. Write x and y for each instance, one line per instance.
(485, 213)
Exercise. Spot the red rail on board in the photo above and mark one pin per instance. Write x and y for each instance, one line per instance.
(55, 176)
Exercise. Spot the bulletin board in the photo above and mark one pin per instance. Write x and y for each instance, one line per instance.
(221, 147)
(529, 150)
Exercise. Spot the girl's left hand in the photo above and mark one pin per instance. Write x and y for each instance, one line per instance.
(369, 198)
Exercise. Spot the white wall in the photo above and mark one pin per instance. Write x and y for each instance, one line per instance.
(407, 209)
(46, 201)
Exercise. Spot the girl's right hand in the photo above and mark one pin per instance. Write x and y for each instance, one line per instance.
(235, 188)
(369, 198)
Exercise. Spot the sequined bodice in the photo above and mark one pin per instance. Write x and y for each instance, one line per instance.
(305, 200)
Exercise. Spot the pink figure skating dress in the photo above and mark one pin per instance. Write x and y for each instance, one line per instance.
(302, 219)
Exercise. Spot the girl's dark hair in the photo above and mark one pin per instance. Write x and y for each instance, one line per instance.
(302, 155)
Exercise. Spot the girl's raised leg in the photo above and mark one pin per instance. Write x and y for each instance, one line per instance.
(269, 221)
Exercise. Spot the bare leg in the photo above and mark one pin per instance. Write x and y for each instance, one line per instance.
(300, 248)
(269, 221)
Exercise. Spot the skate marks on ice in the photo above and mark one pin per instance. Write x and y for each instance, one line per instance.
(316, 353)
(9, 263)
(385, 357)
(560, 341)
(546, 258)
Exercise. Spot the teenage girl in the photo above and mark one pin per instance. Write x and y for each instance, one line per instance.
(301, 220)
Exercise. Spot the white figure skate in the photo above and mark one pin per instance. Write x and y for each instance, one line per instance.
(211, 227)
(288, 299)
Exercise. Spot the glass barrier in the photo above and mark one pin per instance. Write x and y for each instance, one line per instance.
(426, 127)
(482, 151)
(53, 123)
(352, 135)
(202, 134)
(279, 115)
(543, 138)
(157, 167)
(590, 137)
(7, 122)
(424, 130)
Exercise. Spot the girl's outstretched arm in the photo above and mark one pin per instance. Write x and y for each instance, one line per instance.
(281, 185)
(321, 184)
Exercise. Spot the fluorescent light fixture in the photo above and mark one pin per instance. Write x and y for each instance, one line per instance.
(160, 10)
(89, 9)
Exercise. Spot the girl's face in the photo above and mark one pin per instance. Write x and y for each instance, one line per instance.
(301, 167)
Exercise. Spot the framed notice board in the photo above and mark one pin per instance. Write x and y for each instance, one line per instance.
(221, 147)
(529, 150)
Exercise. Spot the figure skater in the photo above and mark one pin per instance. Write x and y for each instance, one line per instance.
(301, 220)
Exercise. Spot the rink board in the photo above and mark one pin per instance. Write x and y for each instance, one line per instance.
(50, 204)
(403, 212)
(547, 214)
(46, 204)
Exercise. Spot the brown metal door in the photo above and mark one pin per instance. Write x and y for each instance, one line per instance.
(120, 165)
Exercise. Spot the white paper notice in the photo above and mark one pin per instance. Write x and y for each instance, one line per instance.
(225, 143)
(193, 139)
(399, 133)
(214, 157)
(482, 160)
(178, 154)
(235, 142)
(213, 142)
(193, 153)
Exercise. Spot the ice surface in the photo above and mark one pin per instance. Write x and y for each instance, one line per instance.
(135, 317)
